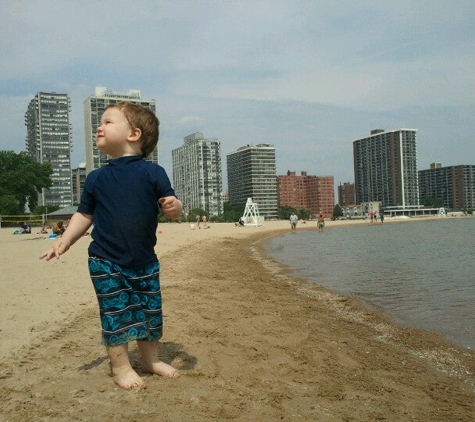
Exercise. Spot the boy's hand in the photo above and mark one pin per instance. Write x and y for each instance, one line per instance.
(170, 206)
(56, 251)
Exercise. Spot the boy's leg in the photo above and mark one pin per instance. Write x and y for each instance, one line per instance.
(150, 361)
(123, 373)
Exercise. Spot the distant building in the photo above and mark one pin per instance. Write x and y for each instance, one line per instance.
(252, 174)
(298, 191)
(93, 108)
(453, 186)
(78, 178)
(49, 140)
(307, 192)
(325, 195)
(197, 174)
(385, 166)
(346, 194)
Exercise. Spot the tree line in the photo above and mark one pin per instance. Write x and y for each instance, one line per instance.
(22, 180)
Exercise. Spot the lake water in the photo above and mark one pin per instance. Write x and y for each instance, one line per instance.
(420, 273)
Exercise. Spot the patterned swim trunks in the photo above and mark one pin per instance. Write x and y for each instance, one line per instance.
(130, 301)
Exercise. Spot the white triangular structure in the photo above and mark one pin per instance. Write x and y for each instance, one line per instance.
(251, 215)
(442, 212)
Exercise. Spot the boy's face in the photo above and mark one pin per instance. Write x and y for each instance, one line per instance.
(113, 133)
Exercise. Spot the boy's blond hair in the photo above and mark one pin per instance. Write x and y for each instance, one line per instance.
(141, 118)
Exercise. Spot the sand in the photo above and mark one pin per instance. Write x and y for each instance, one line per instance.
(252, 342)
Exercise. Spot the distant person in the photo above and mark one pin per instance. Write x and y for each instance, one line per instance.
(203, 220)
(293, 221)
(382, 218)
(321, 223)
(122, 199)
(198, 220)
(371, 216)
(25, 228)
(43, 230)
(376, 217)
(58, 228)
(239, 223)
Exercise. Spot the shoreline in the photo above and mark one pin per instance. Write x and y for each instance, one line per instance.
(251, 340)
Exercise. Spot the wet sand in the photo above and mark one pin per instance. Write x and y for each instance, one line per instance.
(251, 341)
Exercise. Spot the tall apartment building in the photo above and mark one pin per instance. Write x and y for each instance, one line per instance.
(78, 178)
(346, 194)
(385, 166)
(309, 192)
(453, 186)
(94, 107)
(49, 140)
(325, 195)
(252, 174)
(197, 174)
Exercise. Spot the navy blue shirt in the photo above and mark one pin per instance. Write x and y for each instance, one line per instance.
(123, 199)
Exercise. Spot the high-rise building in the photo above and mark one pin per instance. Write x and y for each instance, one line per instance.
(385, 166)
(49, 140)
(346, 194)
(314, 193)
(94, 107)
(452, 186)
(197, 174)
(252, 174)
(325, 195)
(78, 177)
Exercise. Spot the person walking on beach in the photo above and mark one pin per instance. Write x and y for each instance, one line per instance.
(293, 221)
(123, 199)
(321, 223)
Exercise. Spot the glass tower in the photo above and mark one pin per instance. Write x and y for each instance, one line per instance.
(252, 174)
(93, 108)
(385, 166)
(197, 174)
(49, 140)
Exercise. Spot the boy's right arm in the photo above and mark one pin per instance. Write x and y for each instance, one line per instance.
(76, 228)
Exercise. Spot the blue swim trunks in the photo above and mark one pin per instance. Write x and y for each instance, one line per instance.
(130, 301)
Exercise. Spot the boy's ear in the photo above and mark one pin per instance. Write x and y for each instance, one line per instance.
(135, 135)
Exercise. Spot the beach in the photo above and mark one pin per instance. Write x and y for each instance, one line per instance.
(252, 342)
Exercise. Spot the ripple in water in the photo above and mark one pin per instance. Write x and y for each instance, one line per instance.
(421, 273)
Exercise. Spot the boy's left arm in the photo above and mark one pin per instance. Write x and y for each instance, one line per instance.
(171, 206)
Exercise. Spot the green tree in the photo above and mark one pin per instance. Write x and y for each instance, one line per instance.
(232, 212)
(337, 211)
(194, 212)
(432, 202)
(45, 209)
(22, 179)
(305, 214)
(285, 212)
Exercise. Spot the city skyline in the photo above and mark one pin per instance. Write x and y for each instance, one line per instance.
(308, 78)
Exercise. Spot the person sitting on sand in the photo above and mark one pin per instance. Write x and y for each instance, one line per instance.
(240, 222)
(25, 228)
(58, 228)
(43, 230)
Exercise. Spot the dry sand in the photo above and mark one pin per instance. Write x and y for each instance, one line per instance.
(252, 342)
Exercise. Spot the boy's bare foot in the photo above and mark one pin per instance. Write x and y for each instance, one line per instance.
(127, 378)
(161, 368)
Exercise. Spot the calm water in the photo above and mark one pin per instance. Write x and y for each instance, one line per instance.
(421, 273)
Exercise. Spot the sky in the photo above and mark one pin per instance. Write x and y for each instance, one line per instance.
(308, 77)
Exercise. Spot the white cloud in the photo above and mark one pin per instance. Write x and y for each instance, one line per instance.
(308, 77)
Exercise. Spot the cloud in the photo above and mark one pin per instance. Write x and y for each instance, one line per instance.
(307, 77)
